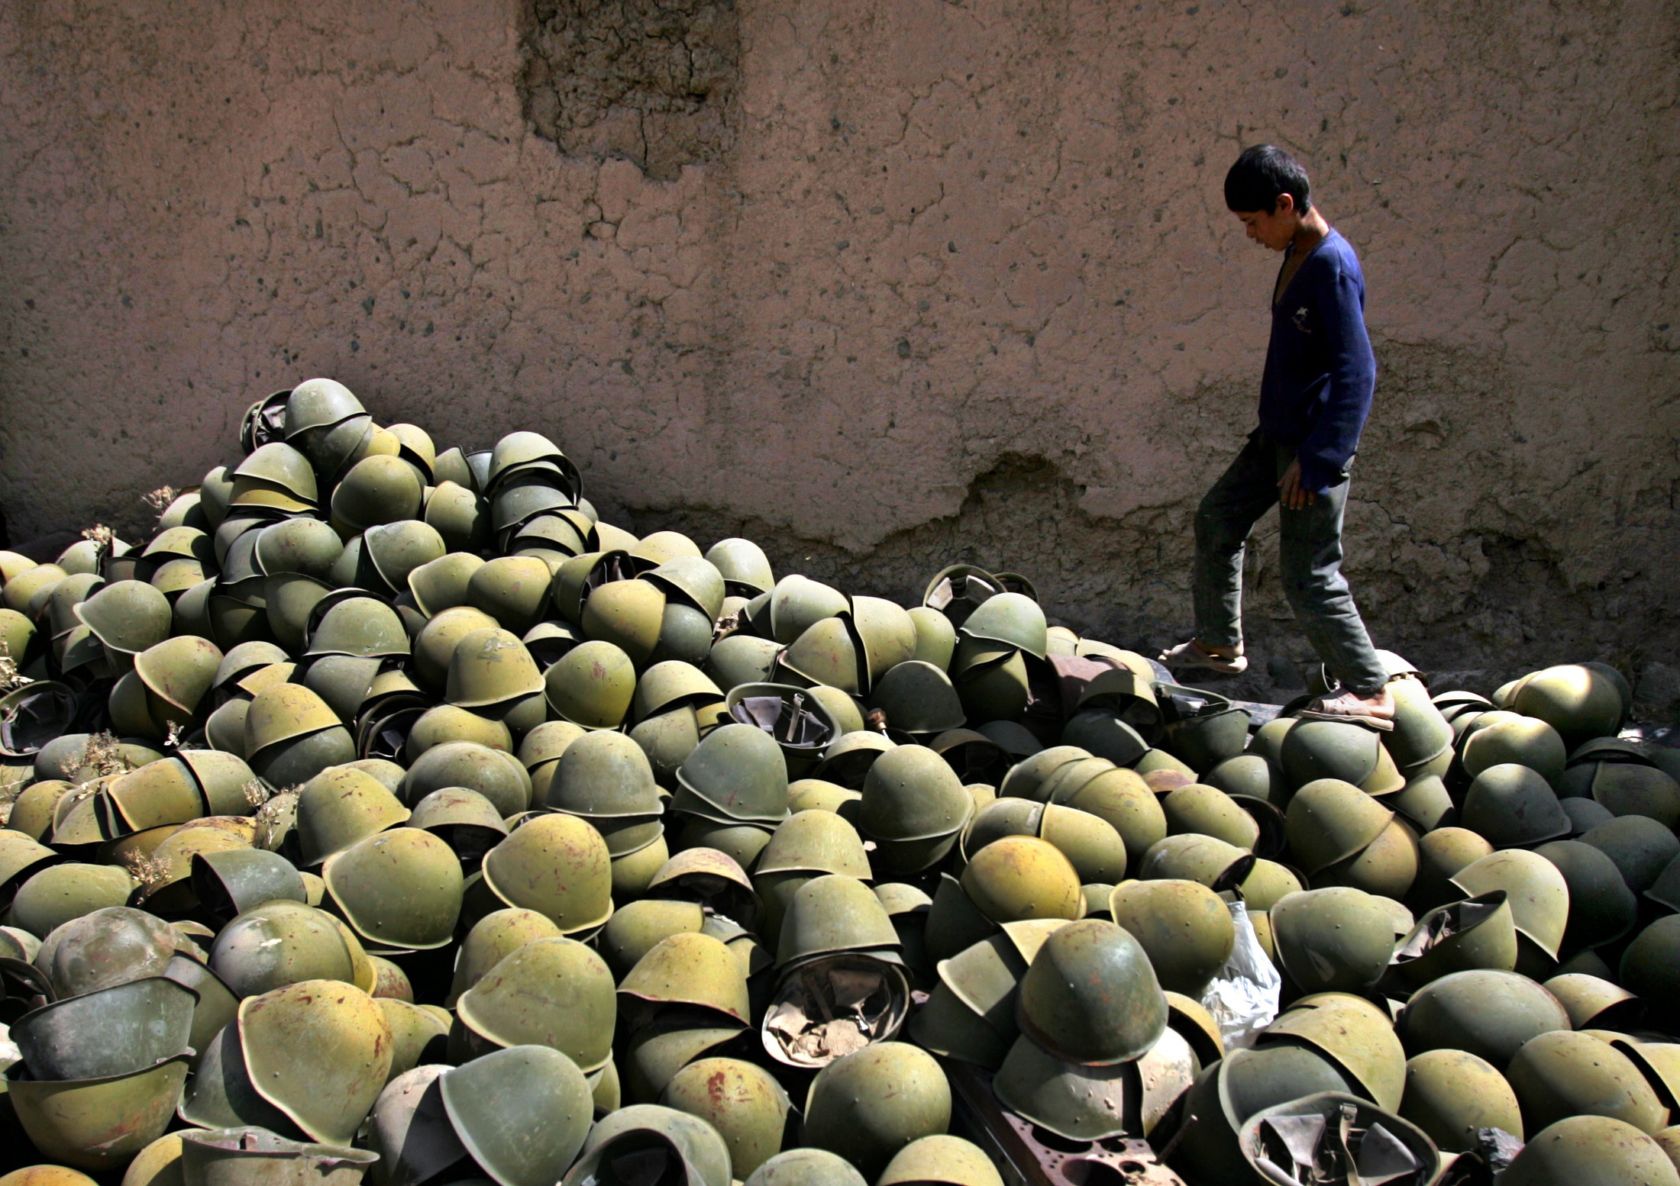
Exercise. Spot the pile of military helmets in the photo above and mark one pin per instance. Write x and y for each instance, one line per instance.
(388, 816)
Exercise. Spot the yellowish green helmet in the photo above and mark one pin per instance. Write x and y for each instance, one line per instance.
(1090, 995)
(548, 992)
(850, 1111)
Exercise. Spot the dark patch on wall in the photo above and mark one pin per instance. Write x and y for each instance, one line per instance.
(652, 82)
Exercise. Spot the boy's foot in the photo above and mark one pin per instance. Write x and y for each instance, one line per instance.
(1193, 656)
(1374, 712)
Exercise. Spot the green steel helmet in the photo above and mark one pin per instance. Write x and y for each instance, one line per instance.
(496, 935)
(1488, 1013)
(1539, 893)
(493, 773)
(377, 489)
(738, 769)
(604, 775)
(1091, 844)
(691, 969)
(552, 992)
(850, 1110)
(1632, 788)
(742, 1101)
(1475, 933)
(628, 613)
(340, 806)
(946, 1026)
(1650, 965)
(1209, 737)
(995, 684)
(1581, 701)
(1207, 859)
(887, 633)
(1336, 939)
(27, 593)
(1022, 877)
(695, 581)
(936, 638)
(1273, 1138)
(1591, 1151)
(1422, 735)
(941, 1158)
(667, 739)
(455, 511)
(109, 946)
(1450, 1094)
(1312, 750)
(1641, 847)
(815, 842)
(126, 616)
(669, 684)
(1184, 927)
(744, 566)
(1602, 907)
(275, 469)
(672, 1144)
(1562, 1073)
(522, 1112)
(1009, 815)
(797, 603)
(281, 942)
(827, 652)
(110, 1031)
(592, 685)
(364, 626)
(1358, 1037)
(1500, 736)
(1090, 995)
(318, 1050)
(319, 403)
(1196, 808)
(1330, 819)
(401, 888)
(917, 697)
(99, 1124)
(1590, 999)
(443, 724)
(284, 713)
(834, 913)
(396, 550)
(417, 1034)
(636, 926)
(232, 882)
(741, 659)
(911, 793)
(512, 589)
(557, 865)
(1100, 732)
(435, 645)
(492, 668)
(806, 1167)
(1513, 807)
(415, 445)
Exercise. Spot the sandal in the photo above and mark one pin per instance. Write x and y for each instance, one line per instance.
(1350, 709)
(1189, 656)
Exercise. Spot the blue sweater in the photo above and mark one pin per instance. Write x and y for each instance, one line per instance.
(1320, 372)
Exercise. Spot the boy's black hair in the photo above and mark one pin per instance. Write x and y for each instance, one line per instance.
(1260, 175)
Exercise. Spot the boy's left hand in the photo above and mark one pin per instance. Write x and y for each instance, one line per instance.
(1290, 493)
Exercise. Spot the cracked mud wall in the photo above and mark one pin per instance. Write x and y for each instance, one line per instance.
(884, 284)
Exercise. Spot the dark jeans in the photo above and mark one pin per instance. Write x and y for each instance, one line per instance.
(1311, 552)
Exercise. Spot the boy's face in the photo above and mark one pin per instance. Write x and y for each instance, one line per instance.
(1272, 228)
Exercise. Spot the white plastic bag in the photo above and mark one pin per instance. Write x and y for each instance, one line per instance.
(1243, 996)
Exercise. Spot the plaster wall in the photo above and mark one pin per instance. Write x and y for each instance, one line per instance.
(884, 284)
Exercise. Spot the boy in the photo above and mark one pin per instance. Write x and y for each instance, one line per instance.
(1314, 397)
